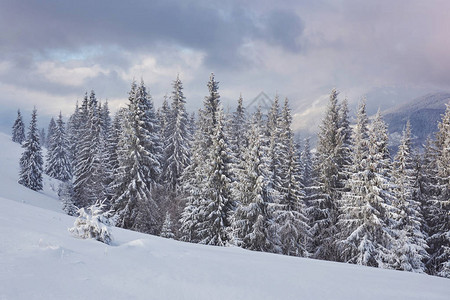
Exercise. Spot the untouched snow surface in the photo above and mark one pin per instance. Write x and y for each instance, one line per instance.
(39, 259)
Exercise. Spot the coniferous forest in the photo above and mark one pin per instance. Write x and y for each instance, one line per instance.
(242, 178)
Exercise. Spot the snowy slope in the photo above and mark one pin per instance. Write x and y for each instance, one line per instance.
(9, 174)
(40, 260)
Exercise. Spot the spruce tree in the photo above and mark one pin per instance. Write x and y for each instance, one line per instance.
(208, 115)
(138, 156)
(312, 194)
(73, 130)
(194, 177)
(429, 189)
(410, 248)
(276, 147)
(218, 204)
(289, 212)
(177, 151)
(192, 180)
(344, 159)
(253, 224)
(365, 235)
(164, 115)
(439, 240)
(329, 168)
(206, 216)
(18, 129)
(238, 127)
(105, 120)
(42, 138)
(58, 164)
(50, 132)
(87, 175)
(307, 170)
(153, 144)
(166, 231)
(31, 163)
(65, 194)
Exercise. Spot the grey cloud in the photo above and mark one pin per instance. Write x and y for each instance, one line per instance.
(285, 28)
(219, 32)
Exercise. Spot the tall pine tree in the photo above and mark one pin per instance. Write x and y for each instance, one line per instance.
(365, 234)
(87, 176)
(207, 180)
(18, 129)
(218, 203)
(177, 151)
(329, 168)
(31, 163)
(410, 246)
(58, 164)
(289, 211)
(138, 156)
(253, 224)
(439, 223)
(50, 132)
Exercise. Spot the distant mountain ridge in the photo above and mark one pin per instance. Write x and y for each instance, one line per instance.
(424, 114)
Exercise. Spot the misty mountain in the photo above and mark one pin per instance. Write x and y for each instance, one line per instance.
(424, 114)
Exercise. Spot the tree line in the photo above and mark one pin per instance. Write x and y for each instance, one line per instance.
(242, 179)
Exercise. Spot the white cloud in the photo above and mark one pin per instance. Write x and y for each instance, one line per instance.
(65, 73)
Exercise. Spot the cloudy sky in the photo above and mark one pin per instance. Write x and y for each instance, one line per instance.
(51, 52)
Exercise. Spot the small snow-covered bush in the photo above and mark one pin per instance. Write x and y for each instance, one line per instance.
(93, 223)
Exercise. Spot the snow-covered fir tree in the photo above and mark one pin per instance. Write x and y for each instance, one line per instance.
(166, 230)
(65, 194)
(58, 165)
(192, 125)
(208, 114)
(50, 132)
(18, 129)
(153, 143)
(410, 246)
(276, 148)
(105, 119)
(253, 224)
(237, 129)
(177, 137)
(192, 179)
(194, 176)
(138, 156)
(365, 233)
(344, 157)
(289, 212)
(73, 130)
(31, 162)
(329, 168)
(42, 137)
(207, 181)
(87, 180)
(218, 204)
(312, 193)
(110, 156)
(114, 137)
(439, 221)
(307, 170)
(429, 189)
(104, 172)
(164, 115)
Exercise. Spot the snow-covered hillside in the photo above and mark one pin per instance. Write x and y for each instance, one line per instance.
(39, 259)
